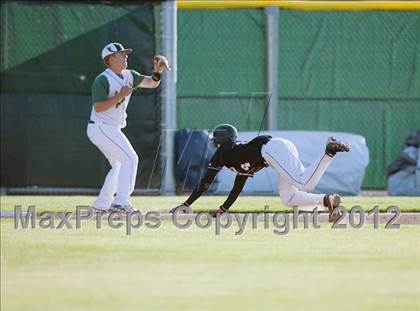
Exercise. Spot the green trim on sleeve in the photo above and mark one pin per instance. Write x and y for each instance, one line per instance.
(100, 89)
(137, 77)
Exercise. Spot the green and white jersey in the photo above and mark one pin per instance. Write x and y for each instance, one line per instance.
(106, 85)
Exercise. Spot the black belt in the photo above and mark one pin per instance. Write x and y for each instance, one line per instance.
(266, 140)
(91, 122)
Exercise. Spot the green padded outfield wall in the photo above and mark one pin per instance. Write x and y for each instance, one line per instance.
(356, 72)
(50, 54)
(221, 68)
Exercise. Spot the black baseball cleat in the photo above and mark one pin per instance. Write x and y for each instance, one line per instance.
(332, 201)
(334, 146)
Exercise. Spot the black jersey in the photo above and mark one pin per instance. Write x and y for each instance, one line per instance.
(243, 159)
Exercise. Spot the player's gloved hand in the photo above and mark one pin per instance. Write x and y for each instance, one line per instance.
(160, 63)
(183, 208)
(220, 210)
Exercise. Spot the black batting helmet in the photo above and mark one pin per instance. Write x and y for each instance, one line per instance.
(224, 133)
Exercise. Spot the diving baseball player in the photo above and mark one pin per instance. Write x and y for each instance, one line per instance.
(111, 92)
(294, 180)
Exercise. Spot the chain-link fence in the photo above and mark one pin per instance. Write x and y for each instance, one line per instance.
(50, 55)
(222, 72)
(356, 72)
(56, 46)
(41, 28)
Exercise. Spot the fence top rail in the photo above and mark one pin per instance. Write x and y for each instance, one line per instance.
(351, 5)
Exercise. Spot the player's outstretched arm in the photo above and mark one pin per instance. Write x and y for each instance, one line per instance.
(145, 82)
(160, 64)
(215, 165)
(204, 184)
(149, 83)
(239, 184)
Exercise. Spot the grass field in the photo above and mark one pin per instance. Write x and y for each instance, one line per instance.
(162, 203)
(192, 269)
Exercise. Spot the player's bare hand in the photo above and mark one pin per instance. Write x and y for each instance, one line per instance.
(183, 208)
(217, 211)
(126, 90)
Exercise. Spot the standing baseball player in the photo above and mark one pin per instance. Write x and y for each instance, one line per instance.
(111, 92)
(294, 180)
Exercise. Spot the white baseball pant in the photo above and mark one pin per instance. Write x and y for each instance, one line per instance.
(293, 179)
(117, 149)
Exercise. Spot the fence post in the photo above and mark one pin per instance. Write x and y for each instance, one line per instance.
(272, 17)
(168, 95)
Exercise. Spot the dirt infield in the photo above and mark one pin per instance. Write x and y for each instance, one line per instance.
(383, 218)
